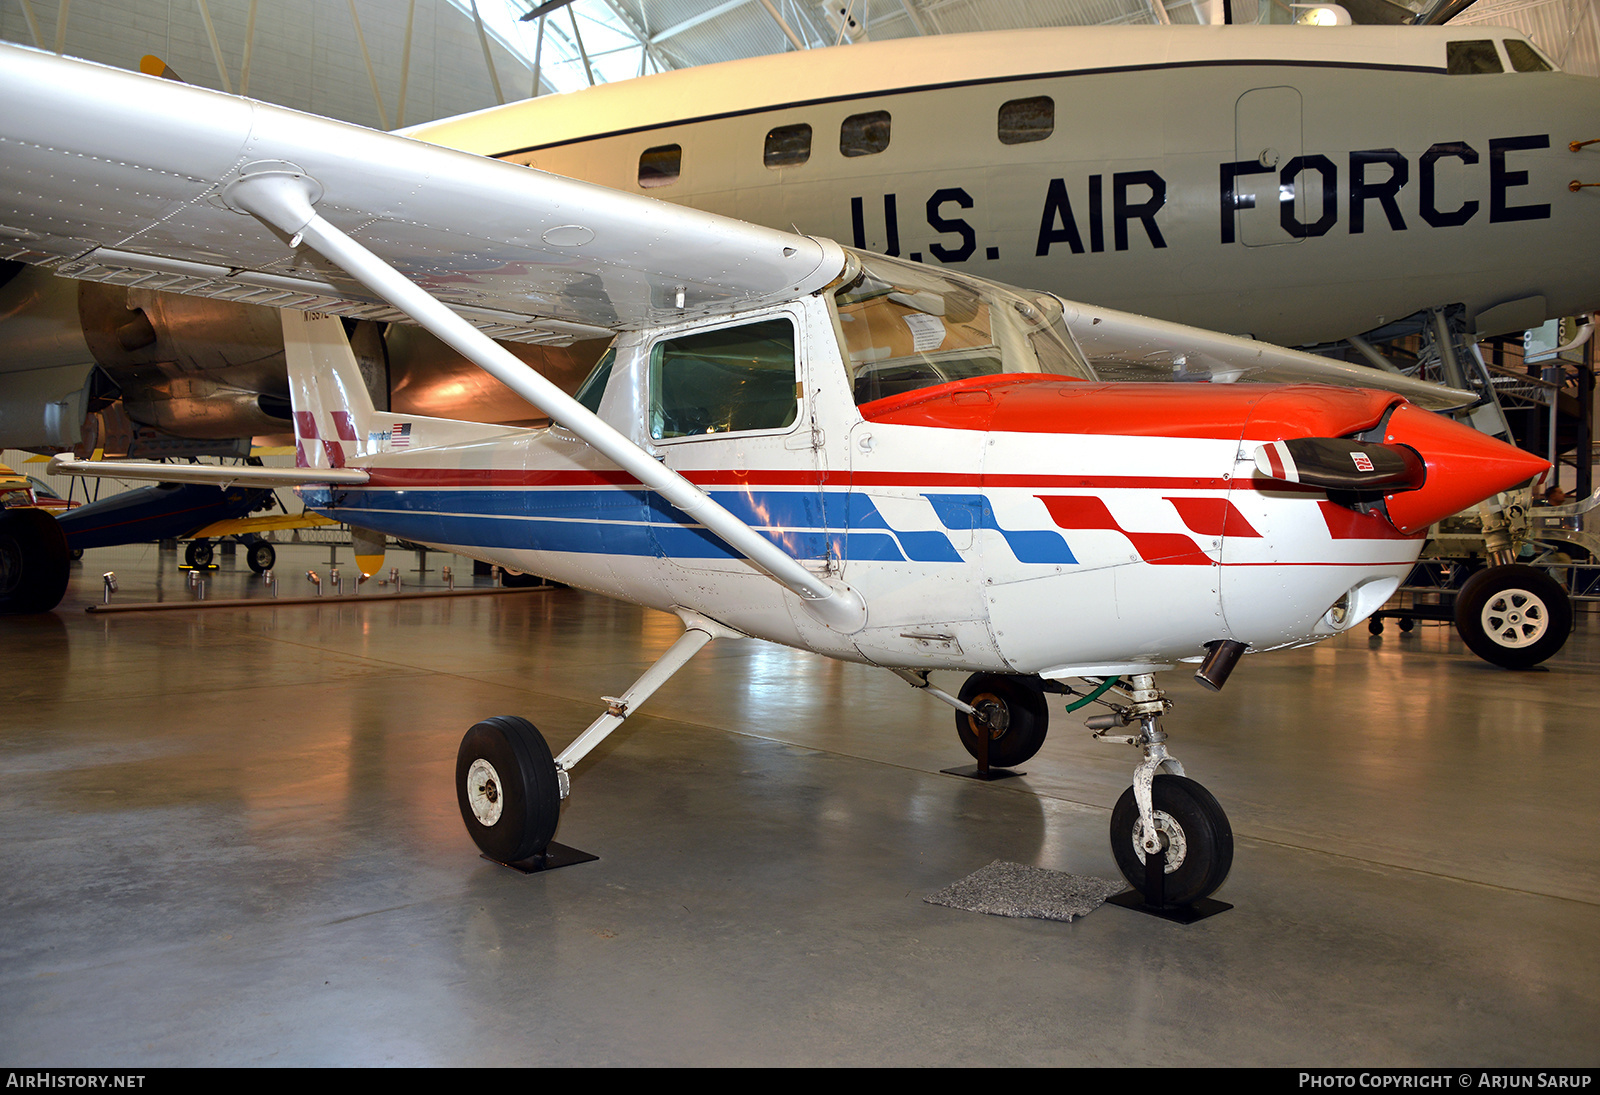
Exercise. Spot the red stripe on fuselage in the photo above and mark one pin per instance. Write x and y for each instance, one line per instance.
(1213, 517)
(1347, 524)
(1159, 548)
(919, 480)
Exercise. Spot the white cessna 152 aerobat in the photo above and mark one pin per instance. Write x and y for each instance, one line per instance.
(847, 453)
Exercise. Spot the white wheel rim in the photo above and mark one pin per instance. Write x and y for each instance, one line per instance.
(1177, 846)
(1515, 618)
(484, 793)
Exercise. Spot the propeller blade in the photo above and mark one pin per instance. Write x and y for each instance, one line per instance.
(1335, 463)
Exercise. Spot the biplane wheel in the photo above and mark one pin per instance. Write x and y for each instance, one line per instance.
(1513, 616)
(507, 790)
(1017, 717)
(34, 564)
(1198, 837)
(198, 553)
(261, 555)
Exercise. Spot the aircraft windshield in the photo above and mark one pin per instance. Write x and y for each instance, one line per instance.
(906, 326)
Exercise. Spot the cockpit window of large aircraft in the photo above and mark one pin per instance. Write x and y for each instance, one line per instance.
(904, 326)
(1524, 58)
(864, 134)
(1472, 58)
(787, 145)
(1024, 120)
(660, 166)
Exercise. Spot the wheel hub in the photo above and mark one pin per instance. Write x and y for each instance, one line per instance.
(483, 792)
(1168, 832)
(991, 713)
(1515, 618)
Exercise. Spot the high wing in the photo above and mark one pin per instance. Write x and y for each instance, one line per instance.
(116, 176)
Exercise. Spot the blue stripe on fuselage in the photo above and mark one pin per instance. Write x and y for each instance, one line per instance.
(618, 521)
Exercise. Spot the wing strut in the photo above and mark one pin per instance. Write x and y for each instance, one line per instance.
(284, 198)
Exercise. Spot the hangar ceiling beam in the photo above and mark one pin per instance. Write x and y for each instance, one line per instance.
(788, 32)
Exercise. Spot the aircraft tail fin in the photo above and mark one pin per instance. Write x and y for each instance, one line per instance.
(334, 419)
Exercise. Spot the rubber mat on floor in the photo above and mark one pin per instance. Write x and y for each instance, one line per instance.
(1013, 889)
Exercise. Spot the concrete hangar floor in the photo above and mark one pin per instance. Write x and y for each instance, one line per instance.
(231, 837)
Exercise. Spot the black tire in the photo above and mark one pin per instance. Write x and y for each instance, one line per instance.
(261, 556)
(1375, 626)
(1200, 849)
(198, 553)
(34, 562)
(507, 789)
(1513, 616)
(515, 579)
(1018, 717)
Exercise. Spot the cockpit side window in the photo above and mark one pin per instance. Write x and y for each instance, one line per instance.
(724, 381)
(592, 389)
(904, 327)
(1472, 57)
(1524, 58)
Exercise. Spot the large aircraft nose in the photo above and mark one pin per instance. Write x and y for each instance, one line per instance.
(1463, 467)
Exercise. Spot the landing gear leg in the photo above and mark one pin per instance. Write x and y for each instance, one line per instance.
(1169, 836)
(510, 788)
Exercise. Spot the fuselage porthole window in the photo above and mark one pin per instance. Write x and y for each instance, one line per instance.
(660, 166)
(1024, 120)
(864, 134)
(787, 145)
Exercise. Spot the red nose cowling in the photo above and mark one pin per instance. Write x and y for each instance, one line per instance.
(1464, 467)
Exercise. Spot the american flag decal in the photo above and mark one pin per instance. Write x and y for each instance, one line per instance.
(400, 435)
(1363, 462)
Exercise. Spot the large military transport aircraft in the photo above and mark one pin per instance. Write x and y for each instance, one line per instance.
(1294, 184)
(852, 454)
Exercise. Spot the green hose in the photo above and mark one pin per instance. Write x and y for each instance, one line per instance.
(1105, 685)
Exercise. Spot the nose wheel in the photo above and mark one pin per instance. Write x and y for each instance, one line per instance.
(1190, 840)
(1169, 836)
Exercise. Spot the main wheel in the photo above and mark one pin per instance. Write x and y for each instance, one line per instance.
(1016, 717)
(261, 555)
(34, 563)
(507, 789)
(1513, 616)
(1198, 837)
(198, 553)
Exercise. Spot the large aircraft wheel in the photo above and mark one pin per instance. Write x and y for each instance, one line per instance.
(261, 555)
(1198, 838)
(1016, 717)
(34, 561)
(1513, 616)
(198, 553)
(507, 789)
